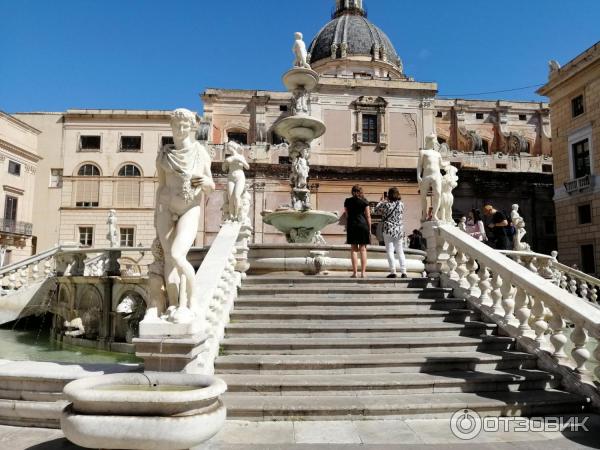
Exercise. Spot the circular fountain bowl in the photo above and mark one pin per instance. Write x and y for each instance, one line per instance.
(143, 411)
(300, 227)
(300, 128)
(299, 77)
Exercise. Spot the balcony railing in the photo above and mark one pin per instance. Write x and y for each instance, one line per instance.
(16, 227)
(578, 184)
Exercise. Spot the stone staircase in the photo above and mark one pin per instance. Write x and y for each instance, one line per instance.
(325, 348)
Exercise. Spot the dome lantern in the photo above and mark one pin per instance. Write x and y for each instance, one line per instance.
(348, 7)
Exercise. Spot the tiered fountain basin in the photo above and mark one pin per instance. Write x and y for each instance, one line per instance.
(299, 227)
(152, 411)
(300, 127)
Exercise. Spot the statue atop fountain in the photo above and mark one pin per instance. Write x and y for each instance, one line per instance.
(299, 222)
(113, 236)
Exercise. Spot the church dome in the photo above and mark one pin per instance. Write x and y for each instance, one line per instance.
(349, 35)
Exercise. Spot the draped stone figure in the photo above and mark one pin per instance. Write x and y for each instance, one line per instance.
(300, 52)
(184, 177)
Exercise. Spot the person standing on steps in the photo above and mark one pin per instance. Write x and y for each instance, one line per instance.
(392, 217)
(498, 225)
(358, 228)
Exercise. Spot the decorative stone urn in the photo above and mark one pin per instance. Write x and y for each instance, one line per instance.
(150, 411)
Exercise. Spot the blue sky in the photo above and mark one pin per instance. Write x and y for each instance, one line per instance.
(160, 54)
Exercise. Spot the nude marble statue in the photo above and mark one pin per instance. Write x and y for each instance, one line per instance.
(429, 176)
(449, 183)
(300, 52)
(184, 177)
(234, 165)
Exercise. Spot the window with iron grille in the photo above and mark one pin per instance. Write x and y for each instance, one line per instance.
(369, 125)
(131, 143)
(90, 143)
(14, 168)
(127, 237)
(86, 236)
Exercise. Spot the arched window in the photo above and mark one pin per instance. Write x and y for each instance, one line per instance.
(239, 136)
(89, 170)
(129, 170)
(441, 140)
(127, 191)
(87, 192)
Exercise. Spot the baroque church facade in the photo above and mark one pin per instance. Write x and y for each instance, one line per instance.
(377, 118)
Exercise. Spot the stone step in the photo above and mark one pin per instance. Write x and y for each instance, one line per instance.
(258, 301)
(414, 363)
(437, 405)
(390, 384)
(333, 290)
(356, 345)
(349, 313)
(366, 328)
(325, 280)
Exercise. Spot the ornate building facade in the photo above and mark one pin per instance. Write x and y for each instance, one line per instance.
(18, 167)
(574, 92)
(377, 118)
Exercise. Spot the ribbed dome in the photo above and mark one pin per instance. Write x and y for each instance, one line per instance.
(351, 34)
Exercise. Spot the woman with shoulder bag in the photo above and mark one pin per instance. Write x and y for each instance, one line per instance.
(358, 228)
(392, 213)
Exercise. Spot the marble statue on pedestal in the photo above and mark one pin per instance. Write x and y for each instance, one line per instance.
(449, 183)
(520, 231)
(300, 52)
(113, 235)
(429, 176)
(300, 101)
(184, 177)
(234, 166)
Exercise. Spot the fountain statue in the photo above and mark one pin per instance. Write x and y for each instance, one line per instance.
(299, 222)
(520, 231)
(113, 236)
(184, 177)
(234, 166)
(429, 176)
(449, 183)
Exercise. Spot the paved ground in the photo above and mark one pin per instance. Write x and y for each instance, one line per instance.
(410, 434)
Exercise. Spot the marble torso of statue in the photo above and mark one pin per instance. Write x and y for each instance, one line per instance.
(113, 236)
(184, 175)
(520, 231)
(300, 52)
(234, 165)
(300, 172)
(429, 176)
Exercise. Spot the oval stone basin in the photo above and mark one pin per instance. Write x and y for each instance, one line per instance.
(161, 394)
(300, 226)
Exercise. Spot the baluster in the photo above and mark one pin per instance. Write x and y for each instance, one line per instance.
(597, 358)
(508, 301)
(522, 311)
(558, 338)
(452, 264)
(12, 280)
(532, 264)
(545, 268)
(48, 267)
(573, 286)
(580, 354)
(462, 270)
(485, 286)
(35, 271)
(473, 278)
(583, 290)
(539, 325)
(563, 281)
(594, 295)
(497, 295)
(439, 249)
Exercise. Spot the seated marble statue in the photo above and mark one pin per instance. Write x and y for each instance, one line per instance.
(184, 177)
(234, 165)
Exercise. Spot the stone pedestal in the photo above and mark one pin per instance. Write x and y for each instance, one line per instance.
(430, 235)
(178, 354)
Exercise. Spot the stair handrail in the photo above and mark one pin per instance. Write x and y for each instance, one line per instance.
(520, 302)
(575, 281)
(32, 259)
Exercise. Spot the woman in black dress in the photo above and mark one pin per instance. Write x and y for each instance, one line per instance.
(358, 228)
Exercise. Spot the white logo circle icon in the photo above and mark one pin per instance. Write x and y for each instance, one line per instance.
(466, 424)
